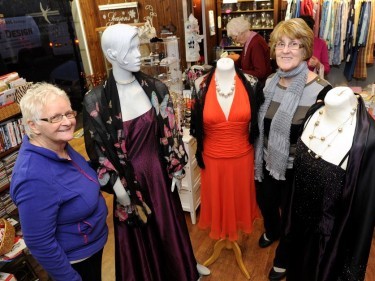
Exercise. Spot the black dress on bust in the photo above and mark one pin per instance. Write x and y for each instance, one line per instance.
(331, 217)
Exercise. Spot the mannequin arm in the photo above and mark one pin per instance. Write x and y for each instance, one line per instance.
(122, 196)
(177, 179)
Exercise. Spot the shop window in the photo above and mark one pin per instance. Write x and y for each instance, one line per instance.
(38, 40)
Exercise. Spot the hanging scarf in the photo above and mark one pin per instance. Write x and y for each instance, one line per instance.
(278, 140)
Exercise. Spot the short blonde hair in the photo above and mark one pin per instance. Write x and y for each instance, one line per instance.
(35, 99)
(237, 26)
(295, 28)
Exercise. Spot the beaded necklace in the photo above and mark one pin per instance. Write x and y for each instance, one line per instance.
(324, 138)
(227, 94)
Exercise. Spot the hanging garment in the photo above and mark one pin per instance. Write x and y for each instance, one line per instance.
(359, 41)
(360, 71)
(371, 37)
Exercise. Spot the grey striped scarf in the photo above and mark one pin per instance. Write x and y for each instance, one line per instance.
(278, 139)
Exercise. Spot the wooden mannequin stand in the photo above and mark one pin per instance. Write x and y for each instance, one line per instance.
(230, 245)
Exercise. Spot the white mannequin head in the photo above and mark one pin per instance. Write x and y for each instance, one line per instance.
(120, 45)
(341, 97)
(225, 64)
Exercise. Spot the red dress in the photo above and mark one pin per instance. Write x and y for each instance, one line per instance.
(228, 202)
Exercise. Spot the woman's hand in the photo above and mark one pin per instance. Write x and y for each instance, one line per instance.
(314, 62)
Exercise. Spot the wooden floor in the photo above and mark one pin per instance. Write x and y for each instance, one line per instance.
(257, 261)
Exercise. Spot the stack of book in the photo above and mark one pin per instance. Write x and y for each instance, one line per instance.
(11, 133)
(6, 204)
(9, 162)
(4, 181)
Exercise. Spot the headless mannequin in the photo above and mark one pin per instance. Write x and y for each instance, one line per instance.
(339, 111)
(225, 74)
(125, 57)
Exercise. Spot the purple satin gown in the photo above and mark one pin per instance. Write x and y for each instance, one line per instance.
(161, 250)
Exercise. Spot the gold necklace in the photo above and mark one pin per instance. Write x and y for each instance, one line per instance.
(227, 94)
(323, 139)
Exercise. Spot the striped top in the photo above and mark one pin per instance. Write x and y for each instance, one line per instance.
(312, 92)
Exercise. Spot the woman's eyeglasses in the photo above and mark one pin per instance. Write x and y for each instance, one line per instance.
(59, 117)
(291, 46)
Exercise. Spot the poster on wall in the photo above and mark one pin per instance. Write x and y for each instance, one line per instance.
(118, 13)
(211, 22)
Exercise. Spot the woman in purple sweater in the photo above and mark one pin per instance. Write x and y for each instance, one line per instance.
(62, 212)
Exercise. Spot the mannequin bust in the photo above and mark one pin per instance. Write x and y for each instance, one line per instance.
(225, 83)
(225, 74)
(125, 57)
(336, 125)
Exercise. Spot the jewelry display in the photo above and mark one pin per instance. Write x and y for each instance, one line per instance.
(329, 138)
(227, 94)
(178, 107)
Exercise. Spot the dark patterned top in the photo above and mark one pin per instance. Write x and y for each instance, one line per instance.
(318, 189)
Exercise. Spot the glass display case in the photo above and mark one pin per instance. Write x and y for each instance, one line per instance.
(161, 60)
(261, 14)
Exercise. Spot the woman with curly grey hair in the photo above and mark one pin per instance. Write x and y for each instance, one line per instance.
(255, 56)
(289, 93)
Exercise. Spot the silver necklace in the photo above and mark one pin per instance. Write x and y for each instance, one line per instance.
(227, 94)
(126, 82)
(323, 139)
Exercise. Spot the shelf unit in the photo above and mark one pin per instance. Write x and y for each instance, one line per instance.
(190, 192)
(10, 140)
(162, 61)
(263, 15)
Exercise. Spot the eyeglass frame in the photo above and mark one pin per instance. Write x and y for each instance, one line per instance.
(289, 45)
(60, 117)
(234, 37)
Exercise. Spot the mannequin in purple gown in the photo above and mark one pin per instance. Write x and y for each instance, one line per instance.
(135, 112)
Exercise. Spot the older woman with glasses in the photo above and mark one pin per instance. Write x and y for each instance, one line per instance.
(289, 93)
(255, 56)
(62, 212)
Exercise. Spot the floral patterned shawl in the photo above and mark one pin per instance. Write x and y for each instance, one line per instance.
(105, 139)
